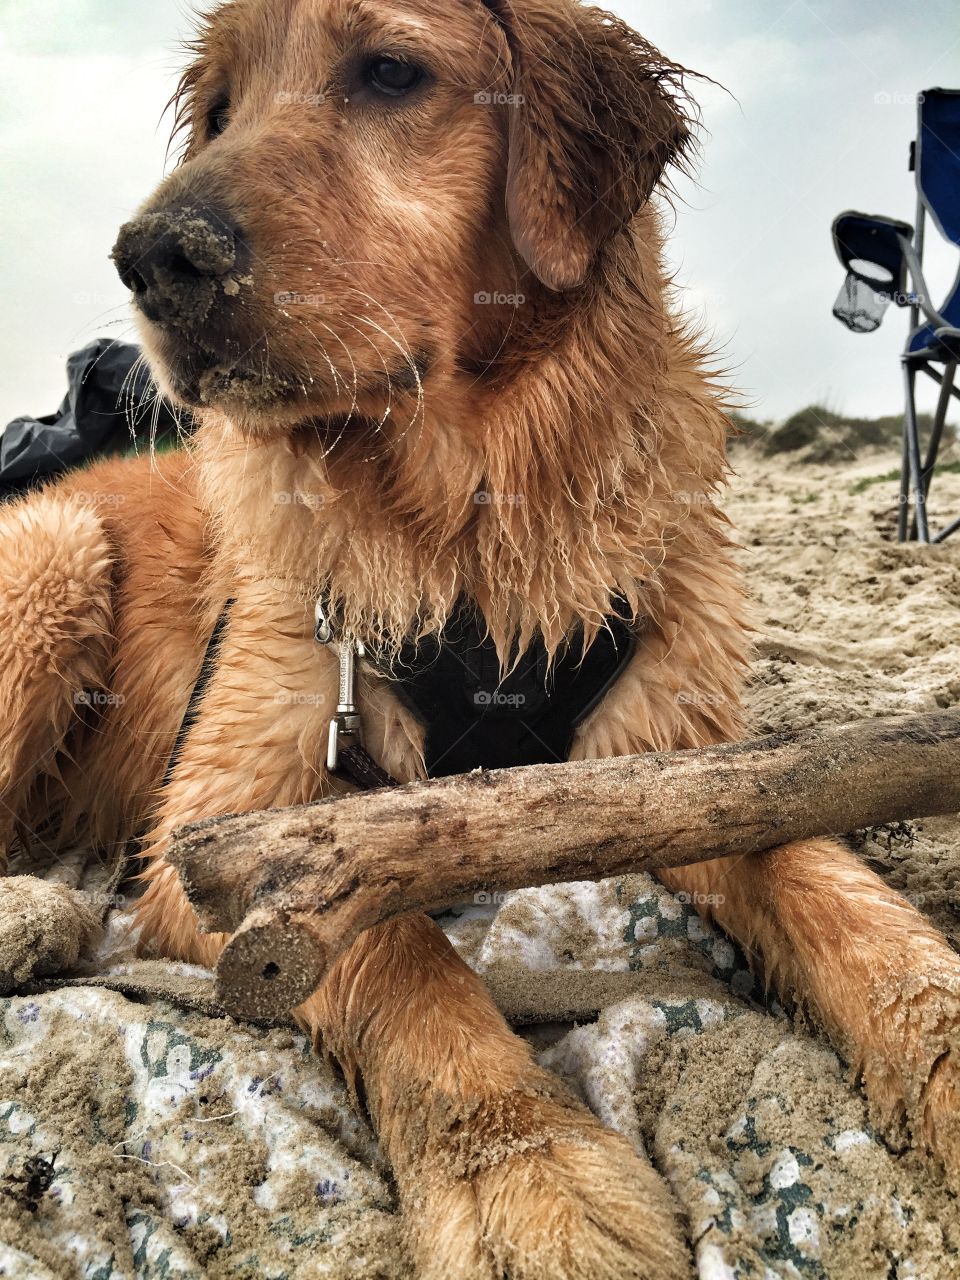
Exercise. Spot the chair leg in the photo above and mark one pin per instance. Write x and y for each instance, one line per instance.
(903, 517)
(948, 532)
(948, 389)
(939, 422)
(912, 476)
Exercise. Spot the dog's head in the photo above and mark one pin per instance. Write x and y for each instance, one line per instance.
(372, 190)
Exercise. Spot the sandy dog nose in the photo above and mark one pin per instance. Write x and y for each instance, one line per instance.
(177, 262)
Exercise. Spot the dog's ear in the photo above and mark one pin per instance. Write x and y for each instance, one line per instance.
(596, 115)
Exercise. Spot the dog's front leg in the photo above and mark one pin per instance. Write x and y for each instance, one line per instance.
(56, 638)
(501, 1172)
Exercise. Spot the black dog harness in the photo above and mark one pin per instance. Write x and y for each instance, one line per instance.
(473, 716)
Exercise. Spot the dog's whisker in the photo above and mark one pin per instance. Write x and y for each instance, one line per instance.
(134, 410)
(338, 378)
(109, 347)
(402, 346)
(386, 370)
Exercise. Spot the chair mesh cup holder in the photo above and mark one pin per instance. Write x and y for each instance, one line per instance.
(861, 303)
(871, 250)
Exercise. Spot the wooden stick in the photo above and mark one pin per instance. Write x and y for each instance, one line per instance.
(298, 885)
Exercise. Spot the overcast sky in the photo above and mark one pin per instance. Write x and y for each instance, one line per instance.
(818, 116)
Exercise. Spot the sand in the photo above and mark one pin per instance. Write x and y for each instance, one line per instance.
(852, 624)
(190, 1145)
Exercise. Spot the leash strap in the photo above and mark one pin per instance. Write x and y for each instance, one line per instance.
(362, 770)
(473, 714)
(207, 668)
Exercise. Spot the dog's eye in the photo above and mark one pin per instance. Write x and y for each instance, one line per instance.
(218, 117)
(391, 76)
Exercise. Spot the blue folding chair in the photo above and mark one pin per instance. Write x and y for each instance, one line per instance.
(883, 258)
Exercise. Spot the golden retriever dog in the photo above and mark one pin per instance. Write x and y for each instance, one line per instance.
(409, 278)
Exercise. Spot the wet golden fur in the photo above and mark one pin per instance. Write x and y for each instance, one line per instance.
(342, 447)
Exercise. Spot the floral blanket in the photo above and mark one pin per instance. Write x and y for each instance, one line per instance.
(142, 1137)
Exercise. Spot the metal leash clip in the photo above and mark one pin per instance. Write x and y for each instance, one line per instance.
(346, 723)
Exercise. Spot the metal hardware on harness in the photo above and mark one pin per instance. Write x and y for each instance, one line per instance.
(346, 722)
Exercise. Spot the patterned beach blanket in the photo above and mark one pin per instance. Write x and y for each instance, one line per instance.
(172, 1143)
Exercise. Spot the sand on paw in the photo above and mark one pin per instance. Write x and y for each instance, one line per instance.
(45, 928)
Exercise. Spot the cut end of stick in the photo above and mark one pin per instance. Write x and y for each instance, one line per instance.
(269, 967)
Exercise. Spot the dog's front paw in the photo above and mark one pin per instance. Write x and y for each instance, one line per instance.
(44, 928)
(530, 1186)
(912, 1077)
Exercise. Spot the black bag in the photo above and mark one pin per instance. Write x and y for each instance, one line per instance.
(100, 415)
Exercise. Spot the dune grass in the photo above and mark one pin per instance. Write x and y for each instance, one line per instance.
(888, 477)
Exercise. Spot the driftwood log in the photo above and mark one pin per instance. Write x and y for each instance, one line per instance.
(298, 885)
